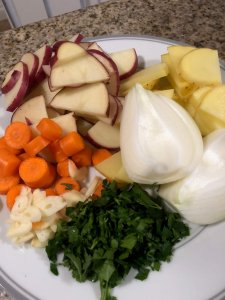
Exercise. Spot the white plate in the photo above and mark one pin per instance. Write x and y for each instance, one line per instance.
(197, 269)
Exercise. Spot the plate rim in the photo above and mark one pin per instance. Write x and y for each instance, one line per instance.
(21, 293)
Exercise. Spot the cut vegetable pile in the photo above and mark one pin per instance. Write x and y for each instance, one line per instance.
(76, 108)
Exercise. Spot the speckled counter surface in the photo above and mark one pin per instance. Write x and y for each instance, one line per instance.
(198, 22)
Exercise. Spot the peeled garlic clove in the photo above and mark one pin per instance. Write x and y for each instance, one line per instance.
(48, 222)
(44, 235)
(160, 142)
(22, 202)
(37, 244)
(38, 196)
(73, 197)
(33, 214)
(24, 238)
(51, 205)
(17, 229)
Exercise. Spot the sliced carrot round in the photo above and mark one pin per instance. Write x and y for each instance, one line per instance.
(57, 152)
(63, 167)
(17, 135)
(36, 145)
(49, 129)
(23, 156)
(100, 155)
(12, 194)
(9, 163)
(34, 171)
(83, 158)
(72, 143)
(50, 192)
(51, 178)
(66, 184)
(3, 145)
(6, 183)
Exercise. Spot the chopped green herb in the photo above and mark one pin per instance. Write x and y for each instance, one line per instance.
(124, 228)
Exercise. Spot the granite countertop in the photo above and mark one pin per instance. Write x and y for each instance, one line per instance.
(198, 22)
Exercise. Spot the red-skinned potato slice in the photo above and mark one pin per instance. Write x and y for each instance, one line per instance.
(33, 110)
(42, 88)
(52, 113)
(126, 61)
(91, 99)
(77, 38)
(120, 109)
(113, 111)
(44, 55)
(95, 46)
(85, 45)
(15, 96)
(71, 58)
(83, 126)
(46, 69)
(32, 62)
(12, 77)
(56, 45)
(114, 80)
(104, 136)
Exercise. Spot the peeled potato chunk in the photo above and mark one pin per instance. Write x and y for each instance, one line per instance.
(168, 93)
(214, 103)
(201, 66)
(112, 168)
(182, 87)
(196, 99)
(146, 77)
(207, 123)
(176, 53)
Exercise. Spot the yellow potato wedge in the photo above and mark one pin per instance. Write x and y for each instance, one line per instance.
(207, 123)
(163, 84)
(112, 168)
(195, 100)
(176, 53)
(168, 93)
(213, 103)
(182, 87)
(201, 66)
(147, 76)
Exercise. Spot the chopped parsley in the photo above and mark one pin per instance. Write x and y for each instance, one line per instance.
(124, 228)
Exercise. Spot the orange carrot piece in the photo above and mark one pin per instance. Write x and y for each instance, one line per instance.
(34, 171)
(3, 145)
(6, 183)
(72, 143)
(17, 135)
(36, 145)
(51, 178)
(9, 163)
(49, 129)
(98, 190)
(83, 158)
(23, 156)
(12, 194)
(99, 155)
(50, 192)
(57, 152)
(66, 184)
(63, 167)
